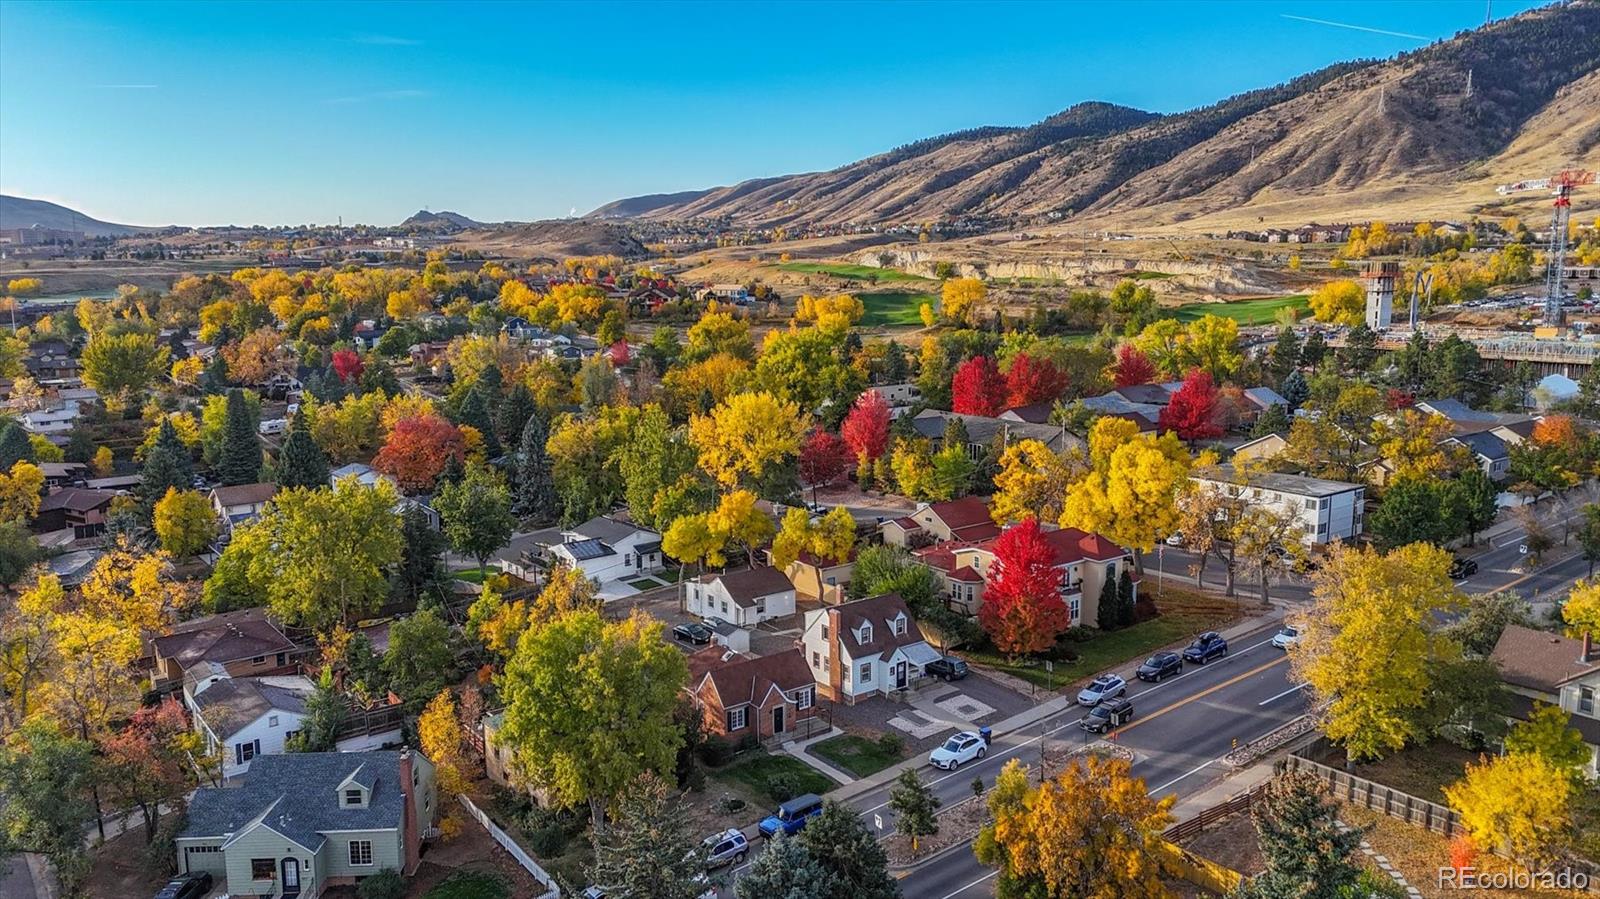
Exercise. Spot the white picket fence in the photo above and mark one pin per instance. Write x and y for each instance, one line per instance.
(517, 852)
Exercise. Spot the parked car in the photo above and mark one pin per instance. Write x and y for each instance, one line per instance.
(273, 426)
(1107, 715)
(1106, 686)
(1160, 666)
(1206, 647)
(959, 749)
(946, 668)
(694, 633)
(726, 848)
(791, 816)
(1462, 568)
(1175, 540)
(186, 886)
(1285, 638)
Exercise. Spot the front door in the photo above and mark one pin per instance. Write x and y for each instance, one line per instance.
(900, 675)
(777, 720)
(291, 876)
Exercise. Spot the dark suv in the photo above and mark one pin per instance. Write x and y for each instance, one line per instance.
(186, 886)
(1462, 568)
(1206, 647)
(1161, 666)
(946, 668)
(1107, 715)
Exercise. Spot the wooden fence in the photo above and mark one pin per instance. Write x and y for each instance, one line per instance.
(1242, 802)
(1354, 790)
(509, 845)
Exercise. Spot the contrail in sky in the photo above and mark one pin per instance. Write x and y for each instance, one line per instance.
(1415, 37)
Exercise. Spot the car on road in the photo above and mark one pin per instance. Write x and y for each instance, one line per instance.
(1107, 715)
(1206, 647)
(1285, 638)
(1462, 568)
(946, 668)
(694, 633)
(726, 848)
(1106, 686)
(791, 816)
(958, 750)
(1175, 540)
(1160, 666)
(186, 886)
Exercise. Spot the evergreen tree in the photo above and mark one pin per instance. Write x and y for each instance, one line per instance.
(325, 713)
(301, 462)
(648, 852)
(80, 446)
(1307, 856)
(784, 871)
(1314, 350)
(167, 464)
(1107, 615)
(955, 433)
(895, 369)
(475, 413)
(215, 377)
(379, 375)
(839, 841)
(240, 461)
(1285, 357)
(536, 487)
(1360, 349)
(14, 446)
(915, 807)
(512, 415)
(419, 566)
(1295, 390)
(1125, 598)
(1273, 421)
(452, 473)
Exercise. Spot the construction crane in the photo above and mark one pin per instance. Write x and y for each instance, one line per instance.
(1560, 186)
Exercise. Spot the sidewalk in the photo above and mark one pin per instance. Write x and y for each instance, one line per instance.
(1221, 791)
(797, 748)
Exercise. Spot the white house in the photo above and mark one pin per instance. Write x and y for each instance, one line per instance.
(899, 397)
(58, 419)
(604, 549)
(865, 648)
(1325, 510)
(368, 476)
(241, 504)
(744, 597)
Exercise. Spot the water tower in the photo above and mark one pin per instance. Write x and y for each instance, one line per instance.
(1380, 278)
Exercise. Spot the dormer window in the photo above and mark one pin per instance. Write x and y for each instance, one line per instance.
(899, 625)
(354, 797)
(865, 634)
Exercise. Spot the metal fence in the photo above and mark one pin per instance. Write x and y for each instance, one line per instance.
(509, 845)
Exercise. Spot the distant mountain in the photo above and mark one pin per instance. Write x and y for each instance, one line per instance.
(1354, 129)
(633, 207)
(437, 221)
(21, 212)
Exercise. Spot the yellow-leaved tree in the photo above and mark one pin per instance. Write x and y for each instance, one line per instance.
(1339, 303)
(1581, 611)
(746, 435)
(1517, 804)
(1130, 492)
(959, 298)
(1368, 647)
(20, 492)
(1032, 483)
(439, 730)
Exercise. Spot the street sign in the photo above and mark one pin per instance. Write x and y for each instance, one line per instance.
(877, 821)
(1523, 549)
(1049, 666)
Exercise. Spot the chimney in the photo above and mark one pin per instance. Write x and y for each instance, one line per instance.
(1588, 648)
(410, 833)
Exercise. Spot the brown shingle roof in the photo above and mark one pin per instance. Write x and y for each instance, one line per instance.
(746, 584)
(244, 494)
(746, 680)
(76, 499)
(1538, 660)
(879, 611)
(227, 637)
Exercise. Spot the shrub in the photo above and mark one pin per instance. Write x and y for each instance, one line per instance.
(748, 742)
(891, 743)
(715, 752)
(548, 841)
(733, 805)
(386, 884)
(783, 787)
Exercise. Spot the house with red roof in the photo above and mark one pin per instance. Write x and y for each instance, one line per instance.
(754, 696)
(1085, 561)
(966, 519)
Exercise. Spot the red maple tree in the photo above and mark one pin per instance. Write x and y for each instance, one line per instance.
(1395, 398)
(347, 365)
(1033, 380)
(619, 353)
(1193, 412)
(978, 388)
(1132, 367)
(866, 427)
(1022, 610)
(418, 449)
(146, 764)
(824, 458)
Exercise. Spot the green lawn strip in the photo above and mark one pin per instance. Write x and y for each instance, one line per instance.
(1245, 312)
(751, 771)
(645, 583)
(848, 270)
(470, 575)
(895, 307)
(470, 885)
(1151, 276)
(1104, 651)
(855, 754)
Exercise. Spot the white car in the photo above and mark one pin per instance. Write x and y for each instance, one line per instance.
(959, 749)
(1175, 540)
(1286, 638)
(1106, 686)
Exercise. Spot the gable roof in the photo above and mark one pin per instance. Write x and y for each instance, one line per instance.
(607, 529)
(584, 550)
(1265, 398)
(878, 611)
(1072, 545)
(1145, 394)
(228, 706)
(981, 429)
(743, 680)
(1032, 413)
(76, 499)
(244, 494)
(1539, 660)
(1484, 443)
(310, 782)
(746, 584)
(967, 518)
(227, 637)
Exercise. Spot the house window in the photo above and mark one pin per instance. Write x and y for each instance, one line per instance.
(816, 659)
(263, 869)
(282, 659)
(1586, 700)
(352, 797)
(1311, 505)
(804, 699)
(258, 660)
(866, 672)
(866, 632)
(361, 852)
(736, 718)
(244, 752)
(824, 630)
(761, 606)
(272, 720)
(1074, 605)
(899, 625)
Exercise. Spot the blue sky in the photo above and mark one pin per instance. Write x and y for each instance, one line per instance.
(281, 113)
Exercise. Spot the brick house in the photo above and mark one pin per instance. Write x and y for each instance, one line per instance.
(240, 644)
(762, 696)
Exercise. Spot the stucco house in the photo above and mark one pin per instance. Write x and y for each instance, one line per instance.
(745, 597)
(765, 696)
(865, 648)
(300, 823)
(1083, 561)
(817, 578)
(1541, 667)
(603, 548)
(958, 519)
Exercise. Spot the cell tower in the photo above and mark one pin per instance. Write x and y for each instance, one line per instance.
(1380, 278)
(1560, 186)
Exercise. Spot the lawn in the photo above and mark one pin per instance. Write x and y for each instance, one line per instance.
(470, 885)
(895, 307)
(471, 575)
(857, 755)
(847, 270)
(754, 770)
(1245, 312)
(1183, 614)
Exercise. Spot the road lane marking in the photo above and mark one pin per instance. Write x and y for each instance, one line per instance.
(1288, 692)
(1197, 770)
(1034, 739)
(1201, 695)
(970, 885)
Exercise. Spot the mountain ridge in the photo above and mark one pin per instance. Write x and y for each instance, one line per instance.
(25, 212)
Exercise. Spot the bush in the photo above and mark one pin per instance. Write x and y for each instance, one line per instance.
(733, 805)
(783, 787)
(548, 841)
(748, 742)
(891, 744)
(386, 884)
(715, 752)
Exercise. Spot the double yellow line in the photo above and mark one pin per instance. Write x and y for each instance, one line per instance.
(1202, 694)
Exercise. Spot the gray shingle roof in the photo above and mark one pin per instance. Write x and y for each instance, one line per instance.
(1486, 444)
(228, 706)
(606, 529)
(1299, 485)
(298, 793)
